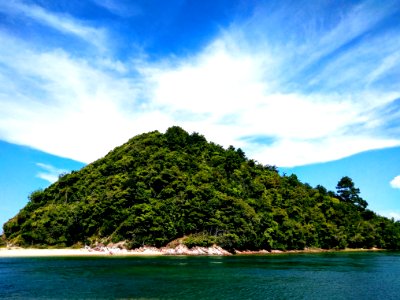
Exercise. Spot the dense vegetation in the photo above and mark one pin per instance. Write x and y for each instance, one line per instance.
(160, 187)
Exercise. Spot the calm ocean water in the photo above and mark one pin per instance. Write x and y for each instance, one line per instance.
(287, 276)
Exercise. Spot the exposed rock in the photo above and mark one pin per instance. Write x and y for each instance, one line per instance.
(184, 250)
(120, 245)
(277, 251)
(180, 249)
(253, 252)
(147, 250)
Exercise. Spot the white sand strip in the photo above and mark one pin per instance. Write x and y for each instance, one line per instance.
(19, 252)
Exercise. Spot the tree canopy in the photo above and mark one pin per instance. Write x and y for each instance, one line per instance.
(347, 192)
(160, 187)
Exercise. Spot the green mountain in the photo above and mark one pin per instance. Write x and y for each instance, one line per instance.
(160, 187)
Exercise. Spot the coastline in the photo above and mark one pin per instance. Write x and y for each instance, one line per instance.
(307, 250)
(180, 250)
(33, 252)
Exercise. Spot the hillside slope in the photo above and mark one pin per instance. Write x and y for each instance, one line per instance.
(160, 187)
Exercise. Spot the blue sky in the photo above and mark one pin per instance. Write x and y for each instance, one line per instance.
(309, 86)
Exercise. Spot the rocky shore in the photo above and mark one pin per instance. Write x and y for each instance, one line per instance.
(101, 250)
(179, 249)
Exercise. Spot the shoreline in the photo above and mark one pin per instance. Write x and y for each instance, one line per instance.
(180, 250)
(308, 251)
(31, 252)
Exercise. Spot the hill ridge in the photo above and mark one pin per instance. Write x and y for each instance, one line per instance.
(160, 187)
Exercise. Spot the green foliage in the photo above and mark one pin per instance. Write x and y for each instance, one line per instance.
(3, 242)
(347, 192)
(199, 239)
(157, 188)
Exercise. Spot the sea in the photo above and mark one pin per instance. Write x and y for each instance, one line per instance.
(336, 275)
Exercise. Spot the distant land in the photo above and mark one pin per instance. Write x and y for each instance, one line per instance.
(159, 188)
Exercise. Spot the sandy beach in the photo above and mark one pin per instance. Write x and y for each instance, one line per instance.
(116, 251)
(26, 252)
(151, 251)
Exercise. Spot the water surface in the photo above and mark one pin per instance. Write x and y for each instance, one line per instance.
(368, 275)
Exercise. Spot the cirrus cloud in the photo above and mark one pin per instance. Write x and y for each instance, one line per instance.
(49, 172)
(284, 101)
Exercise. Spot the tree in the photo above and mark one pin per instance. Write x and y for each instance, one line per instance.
(176, 137)
(347, 192)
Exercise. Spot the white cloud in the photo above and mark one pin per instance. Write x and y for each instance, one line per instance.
(49, 173)
(60, 22)
(386, 64)
(81, 108)
(390, 214)
(353, 23)
(395, 183)
(294, 152)
(213, 81)
(229, 89)
(87, 111)
(64, 105)
(344, 69)
(120, 8)
(394, 215)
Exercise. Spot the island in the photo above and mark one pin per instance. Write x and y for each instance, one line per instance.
(176, 190)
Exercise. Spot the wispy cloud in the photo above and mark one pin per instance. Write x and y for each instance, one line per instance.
(60, 22)
(228, 87)
(121, 8)
(395, 183)
(316, 99)
(49, 172)
(351, 25)
(342, 71)
(64, 105)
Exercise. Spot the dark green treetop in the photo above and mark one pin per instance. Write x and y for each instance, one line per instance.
(347, 192)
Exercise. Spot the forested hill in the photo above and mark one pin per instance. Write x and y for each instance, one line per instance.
(160, 187)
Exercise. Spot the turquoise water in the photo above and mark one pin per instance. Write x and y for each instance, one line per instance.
(290, 276)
